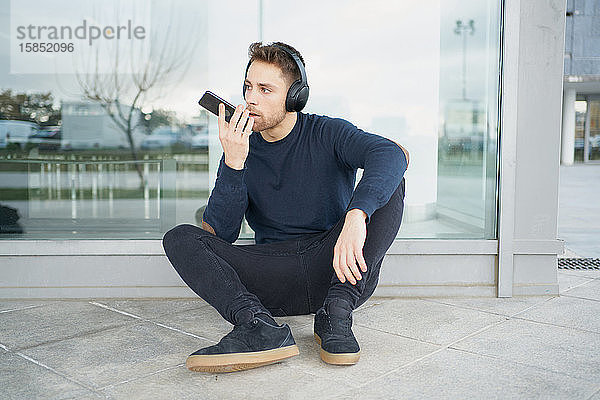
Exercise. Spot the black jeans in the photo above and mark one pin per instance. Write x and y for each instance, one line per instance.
(291, 277)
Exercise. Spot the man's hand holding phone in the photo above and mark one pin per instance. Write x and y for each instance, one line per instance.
(234, 138)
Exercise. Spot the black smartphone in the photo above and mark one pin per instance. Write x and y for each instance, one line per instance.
(211, 101)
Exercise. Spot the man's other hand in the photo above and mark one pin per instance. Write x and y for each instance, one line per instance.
(348, 248)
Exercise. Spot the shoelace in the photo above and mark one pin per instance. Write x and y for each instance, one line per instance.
(343, 323)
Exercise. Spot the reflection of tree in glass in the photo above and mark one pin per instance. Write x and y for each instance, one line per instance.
(121, 93)
(158, 117)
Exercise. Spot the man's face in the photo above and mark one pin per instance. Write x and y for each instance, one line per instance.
(266, 91)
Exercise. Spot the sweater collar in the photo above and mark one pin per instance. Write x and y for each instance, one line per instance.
(292, 133)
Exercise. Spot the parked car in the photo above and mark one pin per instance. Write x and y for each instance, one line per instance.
(47, 138)
(15, 134)
(167, 137)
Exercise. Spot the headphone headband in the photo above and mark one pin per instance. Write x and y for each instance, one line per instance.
(298, 63)
(297, 94)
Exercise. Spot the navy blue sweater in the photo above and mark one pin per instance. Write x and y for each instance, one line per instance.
(304, 183)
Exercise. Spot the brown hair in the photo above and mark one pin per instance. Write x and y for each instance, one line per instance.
(274, 55)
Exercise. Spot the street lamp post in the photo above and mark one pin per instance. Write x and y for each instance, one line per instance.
(462, 29)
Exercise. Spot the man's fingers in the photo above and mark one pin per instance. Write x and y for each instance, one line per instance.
(361, 261)
(352, 264)
(248, 129)
(236, 116)
(348, 274)
(243, 119)
(344, 267)
(336, 266)
(221, 117)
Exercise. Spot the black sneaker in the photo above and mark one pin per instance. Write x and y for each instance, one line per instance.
(252, 344)
(332, 330)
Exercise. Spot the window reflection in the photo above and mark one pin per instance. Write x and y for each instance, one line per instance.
(422, 74)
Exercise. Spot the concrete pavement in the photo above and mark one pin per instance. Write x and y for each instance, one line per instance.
(579, 210)
(417, 348)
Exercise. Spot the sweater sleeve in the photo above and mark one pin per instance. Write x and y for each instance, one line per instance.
(383, 161)
(227, 203)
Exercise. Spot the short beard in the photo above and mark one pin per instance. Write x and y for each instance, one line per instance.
(268, 122)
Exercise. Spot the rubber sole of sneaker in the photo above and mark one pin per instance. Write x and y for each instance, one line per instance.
(337, 358)
(239, 361)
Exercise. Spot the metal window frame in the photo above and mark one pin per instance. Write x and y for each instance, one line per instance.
(510, 25)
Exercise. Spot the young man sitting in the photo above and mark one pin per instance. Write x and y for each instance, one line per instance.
(320, 242)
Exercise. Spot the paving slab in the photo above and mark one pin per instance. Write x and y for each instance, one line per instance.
(380, 352)
(566, 282)
(402, 352)
(424, 320)
(586, 273)
(55, 321)
(118, 354)
(12, 305)
(206, 323)
(505, 306)
(371, 301)
(22, 379)
(454, 374)
(562, 350)
(276, 381)
(566, 311)
(589, 290)
(153, 307)
(595, 396)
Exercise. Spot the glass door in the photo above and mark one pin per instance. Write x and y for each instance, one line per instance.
(580, 116)
(587, 129)
(592, 150)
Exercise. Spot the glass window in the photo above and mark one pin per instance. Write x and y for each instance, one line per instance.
(424, 74)
(594, 135)
(580, 113)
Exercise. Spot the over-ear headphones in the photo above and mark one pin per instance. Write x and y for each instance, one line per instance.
(297, 95)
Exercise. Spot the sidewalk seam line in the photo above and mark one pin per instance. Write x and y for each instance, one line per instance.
(444, 347)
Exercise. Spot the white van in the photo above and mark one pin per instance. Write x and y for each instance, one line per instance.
(16, 132)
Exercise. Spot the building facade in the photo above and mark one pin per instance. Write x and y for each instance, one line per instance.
(466, 87)
(580, 140)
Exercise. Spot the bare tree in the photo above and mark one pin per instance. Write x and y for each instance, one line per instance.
(122, 94)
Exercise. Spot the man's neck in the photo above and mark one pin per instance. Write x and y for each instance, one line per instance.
(282, 129)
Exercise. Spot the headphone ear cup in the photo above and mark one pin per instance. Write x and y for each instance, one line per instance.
(297, 96)
(290, 101)
(302, 98)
